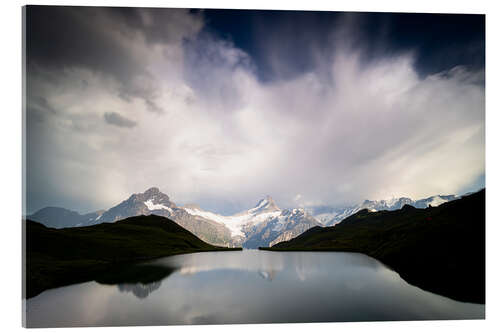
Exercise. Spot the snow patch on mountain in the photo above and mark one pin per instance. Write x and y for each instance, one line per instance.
(265, 210)
(235, 223)
(287, 216)
(151, 206)
(436, 201)
(262, 204)
(325, 217)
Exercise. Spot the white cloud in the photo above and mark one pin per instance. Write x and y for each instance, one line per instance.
(370, 130)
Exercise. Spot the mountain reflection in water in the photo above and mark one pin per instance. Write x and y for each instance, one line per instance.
(140, 279)
(244, 287)
(139, 290)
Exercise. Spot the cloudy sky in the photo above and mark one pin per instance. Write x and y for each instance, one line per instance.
(222, 107)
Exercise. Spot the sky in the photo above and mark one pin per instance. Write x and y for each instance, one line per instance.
(223, 107)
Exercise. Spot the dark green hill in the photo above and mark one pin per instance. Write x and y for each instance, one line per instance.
(57, 257)
(440, 249)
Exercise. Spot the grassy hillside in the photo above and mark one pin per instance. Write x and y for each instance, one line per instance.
(57, 257)
(440, 249)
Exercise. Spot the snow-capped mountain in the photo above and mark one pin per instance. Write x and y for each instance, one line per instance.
(263, 224)
(331, 215)
(258, 226)
(151, 201)
(289, 224)
(264, 210)
(435, 200)
(155, 202)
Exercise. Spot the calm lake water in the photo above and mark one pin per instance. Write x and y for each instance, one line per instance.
(248, 287)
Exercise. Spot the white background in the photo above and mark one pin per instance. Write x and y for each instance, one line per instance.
(11, 160)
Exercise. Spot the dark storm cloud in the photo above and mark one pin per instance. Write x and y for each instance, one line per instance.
(61, 37)
(158, 25)
(90, 37)
(116, 119)
(289, 43)
(282, 43)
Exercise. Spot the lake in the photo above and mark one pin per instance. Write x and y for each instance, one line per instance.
(245, 287)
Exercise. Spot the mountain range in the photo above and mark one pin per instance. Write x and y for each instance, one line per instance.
(331, 215)
(263, 225)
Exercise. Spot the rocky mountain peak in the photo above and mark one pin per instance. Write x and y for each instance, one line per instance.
(153, 191)
(155, 196)
(271, 204)
(265, 205)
